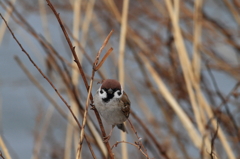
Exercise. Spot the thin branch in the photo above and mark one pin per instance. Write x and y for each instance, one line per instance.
(1, 155)
(102, 47)
(139, 138)
(136, 145)
(49, 50)
(95, 65)
(83, 51)
(40, 71)
(72, 48)
(212, 154)
(161, 150)
(80, 67)
(44, 76)
(96, 68)
(40, 88)
(224, 101)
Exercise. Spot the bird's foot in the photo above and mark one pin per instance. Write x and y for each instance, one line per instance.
(93, 107)
(106, 138)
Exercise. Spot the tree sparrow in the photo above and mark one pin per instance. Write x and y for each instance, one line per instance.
(113, 104)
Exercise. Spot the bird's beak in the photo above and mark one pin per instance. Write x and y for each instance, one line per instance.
(110, 91)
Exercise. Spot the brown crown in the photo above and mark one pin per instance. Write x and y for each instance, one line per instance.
(111, 83)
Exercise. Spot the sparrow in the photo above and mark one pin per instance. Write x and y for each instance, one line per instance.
(113, 104)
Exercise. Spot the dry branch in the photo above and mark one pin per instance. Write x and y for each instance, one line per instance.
(82, 73)
(44, 76)
(165, 46)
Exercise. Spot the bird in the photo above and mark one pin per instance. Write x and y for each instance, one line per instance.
(113, 104)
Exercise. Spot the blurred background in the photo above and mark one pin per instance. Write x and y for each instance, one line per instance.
(178, 61)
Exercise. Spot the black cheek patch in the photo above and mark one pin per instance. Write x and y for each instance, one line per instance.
(119, 93)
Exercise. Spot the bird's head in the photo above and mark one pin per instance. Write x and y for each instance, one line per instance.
(110, 89)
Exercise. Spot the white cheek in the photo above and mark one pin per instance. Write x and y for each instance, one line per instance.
(116, 94)
(102, 95)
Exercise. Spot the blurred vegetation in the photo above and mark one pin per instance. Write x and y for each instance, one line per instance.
(181, 73)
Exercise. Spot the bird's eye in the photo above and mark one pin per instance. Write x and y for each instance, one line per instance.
(101, 92)
(119, 93)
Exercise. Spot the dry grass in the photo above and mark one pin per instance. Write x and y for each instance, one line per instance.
(168, 56)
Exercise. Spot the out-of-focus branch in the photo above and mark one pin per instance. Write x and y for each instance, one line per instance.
(37, 84)
(4, 149)
(44, 76)
(212, 144)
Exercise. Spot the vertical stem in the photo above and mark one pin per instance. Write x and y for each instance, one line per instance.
(70, 134)
(185, 64)
(44, 20)
(84, 119)
(75, 74)
(121, 63)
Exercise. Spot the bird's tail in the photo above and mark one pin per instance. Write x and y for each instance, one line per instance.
(122, 127)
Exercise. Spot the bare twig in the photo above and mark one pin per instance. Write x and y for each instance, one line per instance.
(172, 79)
(37, 84)
(212, 154)
(84, 52)
(95, 65)
(44, 76)
(72, 48)
(40, 71)
(139, 138)
(100, 50)
(1, 155)
(80, 67)
(136, 145)
(161, 150)
(96, 68)
(224, 101)
(48, 48)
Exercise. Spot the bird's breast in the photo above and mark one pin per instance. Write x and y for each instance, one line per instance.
(111, 111)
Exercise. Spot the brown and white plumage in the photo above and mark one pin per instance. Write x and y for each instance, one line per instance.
(112, 103)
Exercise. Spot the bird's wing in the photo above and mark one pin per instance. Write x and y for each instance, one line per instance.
(126, 105)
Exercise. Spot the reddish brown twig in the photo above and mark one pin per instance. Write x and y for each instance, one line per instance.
(1, 155)
(44, 76)
(103, 60)
(80, 67)
(48, 49)
(139, 139)
(138, 146)
(72, 48)
(99, 52)
(40, 71)
(84, 52)
(36, 83)
(224, 101)
(161, 150)
(95, 65)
